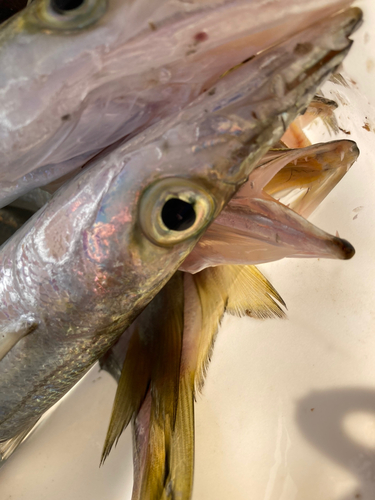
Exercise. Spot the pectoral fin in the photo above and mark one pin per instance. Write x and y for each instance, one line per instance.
(158, 382)
(319, 107)
(238, 290)
(164, 457)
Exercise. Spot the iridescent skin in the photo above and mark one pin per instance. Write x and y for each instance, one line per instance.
(71, 85)
(78, 273)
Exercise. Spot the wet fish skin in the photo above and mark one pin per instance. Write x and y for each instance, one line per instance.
(128, 64)
(81, 270)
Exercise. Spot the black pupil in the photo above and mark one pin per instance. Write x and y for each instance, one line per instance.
(67, 4)
(178, 215)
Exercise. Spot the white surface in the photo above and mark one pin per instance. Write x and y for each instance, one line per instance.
(288, 410)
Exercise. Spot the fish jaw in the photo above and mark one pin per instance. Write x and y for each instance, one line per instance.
(255, 227)
(300, 178)
(309, 175)
(120, 80)
(263, 232)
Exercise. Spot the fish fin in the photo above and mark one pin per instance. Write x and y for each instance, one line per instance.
(179, 482)
(152, 361)
(295, 137)
(167, 324)
(213, 299)
(156, 427)
(14, 331)
(154, 466)
(131, 389)
(331, 124)
(163, 448)
(338, 79)
(141, 438)
(323, 108)
(252, 294)
(8, 447)
(164, 458)
(239, 290)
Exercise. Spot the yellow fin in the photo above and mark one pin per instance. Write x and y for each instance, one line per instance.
(179, 482)
(164, 458)
(239, 290)
(181, 317)
(131, 389)
(251, 294)
(152, 360)
(151, 443)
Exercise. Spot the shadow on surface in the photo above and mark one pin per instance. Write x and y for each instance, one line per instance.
(320, 416)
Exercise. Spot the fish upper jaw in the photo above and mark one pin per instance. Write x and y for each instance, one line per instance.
(257, 101)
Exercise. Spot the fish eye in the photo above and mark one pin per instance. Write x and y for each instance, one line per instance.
(173, 210)
(67, 15)
(178, 215)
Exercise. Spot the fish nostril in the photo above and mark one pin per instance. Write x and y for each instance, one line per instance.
(178, 215)
(66, 5)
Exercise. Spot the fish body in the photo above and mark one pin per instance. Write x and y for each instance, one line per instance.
(80, 271)
(85, 78)
(161, 361)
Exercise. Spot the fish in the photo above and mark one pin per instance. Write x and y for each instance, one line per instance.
(161, 362)
(161, 365)
(77, 274)
(90, 73)
(306, 176)
(13, 216)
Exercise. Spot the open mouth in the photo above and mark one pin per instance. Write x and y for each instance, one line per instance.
(266, 220)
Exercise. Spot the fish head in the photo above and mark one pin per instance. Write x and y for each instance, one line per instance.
(174, 179)
(79, 75)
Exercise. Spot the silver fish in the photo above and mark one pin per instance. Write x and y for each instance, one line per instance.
(77, 77)
(160, 363)
(79, 272)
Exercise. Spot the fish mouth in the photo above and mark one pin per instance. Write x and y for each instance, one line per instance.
(292, 73)
(257, 227)
(282, 232)
(265, 220)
